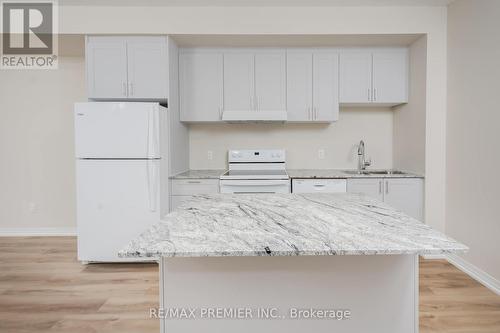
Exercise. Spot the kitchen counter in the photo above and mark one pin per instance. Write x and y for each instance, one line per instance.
(288, 225)
(199, 174)
(336, 173)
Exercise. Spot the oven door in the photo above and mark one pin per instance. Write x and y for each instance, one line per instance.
(255, 186)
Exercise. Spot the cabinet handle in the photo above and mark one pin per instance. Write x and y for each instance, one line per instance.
(380, 187)
(194, 181)
(369, 95)
(220, 112)
(386, 187)
(125, 89)
(375, 94)
(309, 113)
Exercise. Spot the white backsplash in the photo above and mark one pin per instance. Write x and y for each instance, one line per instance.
(302, 142)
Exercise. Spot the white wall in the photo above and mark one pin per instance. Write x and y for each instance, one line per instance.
(301, 141)
(473, 154)
(37, 169)
(409, 119)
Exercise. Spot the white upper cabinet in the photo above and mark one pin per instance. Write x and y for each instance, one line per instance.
(201, 84)
(299, 85)
(390, 76)
(270, 81)
(127, 67)
(312, 86)
(239, 81)
(147, 67)
(106, 67)
(374, 76)
(355, 77)
(296, 84)
(325, 86)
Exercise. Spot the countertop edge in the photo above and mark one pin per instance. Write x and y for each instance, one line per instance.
(290, 253)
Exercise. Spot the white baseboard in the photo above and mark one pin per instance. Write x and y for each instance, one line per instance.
(434, 256)
(476, 273)
(25, 232)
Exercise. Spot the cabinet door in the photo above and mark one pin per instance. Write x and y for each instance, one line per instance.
(106, 61)
(406, 195)
(325, 87)
(355, 77)
(390, 76)
(239, 88)
(270, 80)
(147, 68)
(369, 186)
(200, 79)
(299, 85)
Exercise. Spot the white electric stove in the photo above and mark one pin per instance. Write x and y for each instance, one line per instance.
(255, 171)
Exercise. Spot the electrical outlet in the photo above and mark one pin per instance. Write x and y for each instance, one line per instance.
(321, 154)
(210, 155)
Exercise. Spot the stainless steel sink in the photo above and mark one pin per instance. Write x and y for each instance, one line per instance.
(374, 172)
(387, 172)
(356, 172)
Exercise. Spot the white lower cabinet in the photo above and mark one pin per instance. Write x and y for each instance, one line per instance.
(369, 186)
(404, 194)
(319, 185)
(185, 189)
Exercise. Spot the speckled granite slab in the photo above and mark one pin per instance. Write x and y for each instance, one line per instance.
(335, 173)
(288, 225)
(199, 174)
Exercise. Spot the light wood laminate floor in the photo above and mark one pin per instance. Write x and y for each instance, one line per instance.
(44, 289)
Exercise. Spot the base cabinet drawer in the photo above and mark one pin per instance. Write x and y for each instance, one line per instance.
(319, 185)
(183, 190)
(194, 186)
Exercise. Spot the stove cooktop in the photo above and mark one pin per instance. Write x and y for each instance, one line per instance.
(255, 174)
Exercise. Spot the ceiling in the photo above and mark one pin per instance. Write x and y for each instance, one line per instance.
(257, 3)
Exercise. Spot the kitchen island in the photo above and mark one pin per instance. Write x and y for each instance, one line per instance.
(269, 263)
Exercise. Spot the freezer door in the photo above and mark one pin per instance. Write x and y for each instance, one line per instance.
(116, 201)
(117, 130)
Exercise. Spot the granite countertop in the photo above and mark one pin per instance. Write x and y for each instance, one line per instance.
(294, 173)
(288, 225)
(199, 174)
(336, 173)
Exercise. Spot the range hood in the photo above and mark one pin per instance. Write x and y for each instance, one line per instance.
(252, 115)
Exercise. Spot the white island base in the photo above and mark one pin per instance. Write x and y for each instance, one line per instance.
(379, 291)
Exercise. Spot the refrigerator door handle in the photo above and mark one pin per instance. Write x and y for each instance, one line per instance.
(152, 183)
(153, 133)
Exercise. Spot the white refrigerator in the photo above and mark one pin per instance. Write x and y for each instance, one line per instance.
(118, 159)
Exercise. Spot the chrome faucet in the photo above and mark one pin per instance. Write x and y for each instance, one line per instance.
(362, 163)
